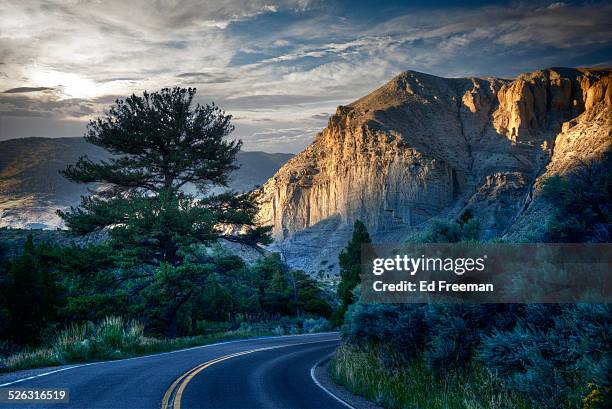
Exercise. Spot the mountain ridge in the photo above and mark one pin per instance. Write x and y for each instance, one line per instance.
(423, 147)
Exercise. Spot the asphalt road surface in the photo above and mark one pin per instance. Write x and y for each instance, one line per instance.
(272, 372)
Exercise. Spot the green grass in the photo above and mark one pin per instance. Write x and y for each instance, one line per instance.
(411, 384)
(113, 338)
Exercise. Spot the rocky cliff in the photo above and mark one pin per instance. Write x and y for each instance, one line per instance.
(422, 146)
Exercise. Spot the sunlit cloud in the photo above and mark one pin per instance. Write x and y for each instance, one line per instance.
(275, 65)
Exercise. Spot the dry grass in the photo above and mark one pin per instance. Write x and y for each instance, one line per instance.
(413, 385)
(112, 338)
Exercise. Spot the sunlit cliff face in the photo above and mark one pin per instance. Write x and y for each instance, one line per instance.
(280, 67)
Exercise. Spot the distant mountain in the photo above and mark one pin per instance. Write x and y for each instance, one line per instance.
(32, 189)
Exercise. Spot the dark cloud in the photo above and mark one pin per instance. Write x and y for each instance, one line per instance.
(20, 105)
(321, 116)
(206, 77)
(192, 74)
(107, 99)
(22, 90)
(113, 79)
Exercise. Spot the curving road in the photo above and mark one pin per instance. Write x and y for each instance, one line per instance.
(273, 372)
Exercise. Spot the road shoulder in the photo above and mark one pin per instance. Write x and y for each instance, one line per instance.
(8, 377)
(321, 373)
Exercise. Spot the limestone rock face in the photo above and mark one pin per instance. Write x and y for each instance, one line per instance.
(423, 146)
(583, 138)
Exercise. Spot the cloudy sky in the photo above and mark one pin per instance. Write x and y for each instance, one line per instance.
(280, 67)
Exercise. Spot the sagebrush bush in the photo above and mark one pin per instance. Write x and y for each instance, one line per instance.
(312, 325)
(555, 356)
(581, 200)
(443, 231)
(403, 325)
(548, 353)
(554, 352)
(212, 327)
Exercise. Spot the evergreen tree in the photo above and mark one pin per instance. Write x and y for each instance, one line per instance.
(286, 292)
(29, 295)
(161, 144)
(350, 268)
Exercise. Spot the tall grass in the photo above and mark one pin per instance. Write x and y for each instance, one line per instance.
(382, 377)
(113, 338)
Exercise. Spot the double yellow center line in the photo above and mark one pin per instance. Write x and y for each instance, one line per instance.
(172, 397)
(182, 381)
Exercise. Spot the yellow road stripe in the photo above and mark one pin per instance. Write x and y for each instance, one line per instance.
(190, 374)
(198, 368)
(168, 394)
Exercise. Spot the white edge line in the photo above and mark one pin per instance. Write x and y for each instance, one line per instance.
(238, 354)
(316, 381)
(159, 354)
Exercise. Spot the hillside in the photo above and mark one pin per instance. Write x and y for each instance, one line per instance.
(31, 187)
(423, 147)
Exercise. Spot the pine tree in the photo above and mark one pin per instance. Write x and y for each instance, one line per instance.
(350, 268)
(162, 144)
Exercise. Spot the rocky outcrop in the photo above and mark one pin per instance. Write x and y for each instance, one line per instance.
(582, 139)
(423, 146)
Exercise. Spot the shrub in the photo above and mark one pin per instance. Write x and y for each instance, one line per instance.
(598, 397)
(582, 203)
(73, 343)
(553, 352)
(110, 333)
(403, 325)
(311, 325)
(31, 359)
(466, 229)
(547, 353)
(111, 337)
(212, 327)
